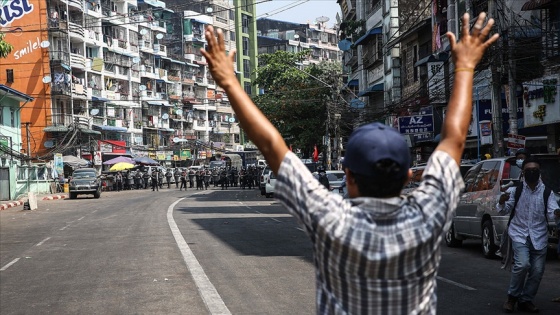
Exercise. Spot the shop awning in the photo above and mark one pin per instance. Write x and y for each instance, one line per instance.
(354, 82)
(89, 131)
(443, 56)
(373, 31)
(158, 103)
(14, 94)
(99, 99)
(110, 128)
(372, 89)
(55, 129)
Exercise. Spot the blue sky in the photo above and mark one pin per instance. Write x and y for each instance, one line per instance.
(299, 11)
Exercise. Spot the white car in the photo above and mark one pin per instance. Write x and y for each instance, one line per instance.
(269, 185)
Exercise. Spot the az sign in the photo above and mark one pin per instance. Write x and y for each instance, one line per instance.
(416, 124)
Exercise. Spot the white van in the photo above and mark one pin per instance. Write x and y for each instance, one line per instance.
(261, 163)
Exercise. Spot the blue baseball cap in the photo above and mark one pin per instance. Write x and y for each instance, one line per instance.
(372, 143)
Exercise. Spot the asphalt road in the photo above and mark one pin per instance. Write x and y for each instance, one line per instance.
(205, 252)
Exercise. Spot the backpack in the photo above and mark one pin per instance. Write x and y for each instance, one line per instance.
(517, 195)
(324, 180)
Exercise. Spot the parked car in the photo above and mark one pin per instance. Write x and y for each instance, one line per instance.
(262, 180)
(84, 181)
(476, 215)
(418, 171)
(269, 185)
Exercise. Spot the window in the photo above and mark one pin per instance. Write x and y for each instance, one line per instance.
(245, 46)
(470, 178)
(1, 116)
(246, 68)
(12, 117)
(248, 88)
(245, 24)
(232, 35)
(232, 14)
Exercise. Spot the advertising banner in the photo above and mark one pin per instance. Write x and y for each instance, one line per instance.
(541, 101)
(58, 163)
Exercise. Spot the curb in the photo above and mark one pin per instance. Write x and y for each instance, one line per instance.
(55, 197)
(5, 206)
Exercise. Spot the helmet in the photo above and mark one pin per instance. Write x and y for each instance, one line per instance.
(320, 169)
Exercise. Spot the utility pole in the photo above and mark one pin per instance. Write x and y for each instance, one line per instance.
(28, 142)
(511, 80)
(496, 92)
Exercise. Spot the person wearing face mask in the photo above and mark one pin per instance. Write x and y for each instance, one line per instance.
(520, 156)
(530, 210)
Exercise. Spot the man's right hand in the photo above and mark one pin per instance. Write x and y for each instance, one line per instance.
(503, 198)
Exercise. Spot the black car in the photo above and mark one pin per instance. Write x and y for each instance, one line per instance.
(85, 181)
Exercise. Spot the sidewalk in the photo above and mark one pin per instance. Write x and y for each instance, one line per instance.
(10, 204)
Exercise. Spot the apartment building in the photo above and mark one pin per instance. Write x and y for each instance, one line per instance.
(274, 35)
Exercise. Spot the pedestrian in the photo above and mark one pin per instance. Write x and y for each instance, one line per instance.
(183, 180)
(377, 253)
(155, 180)
(146, 178)
(530, 206)
(176, 175)
(520, 156)
(119, 181)
(168, 176)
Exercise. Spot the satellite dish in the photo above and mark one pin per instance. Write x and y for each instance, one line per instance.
(159, 36)
(136, 59)
(179, 112)
(231, 120)
(49, 144)
(45, 44)
(344, 45)
(165, 116)
(47, 79)
(94, 111)
(322, 19)
(142, 88)
(209, 10)
(176, 139)
(296, 36)
(143, 31)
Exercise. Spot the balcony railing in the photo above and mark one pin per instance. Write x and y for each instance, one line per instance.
(59, 119)
(77, 4)
(78, 89)
(76, 30)
(60, 56)
(78, 61)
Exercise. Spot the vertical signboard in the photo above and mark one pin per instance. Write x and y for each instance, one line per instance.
(58, 163)
(436, 82)
(541, 101)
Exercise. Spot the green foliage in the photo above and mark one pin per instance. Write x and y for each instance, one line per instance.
(353, 29)
(5, 47)
(295, 100)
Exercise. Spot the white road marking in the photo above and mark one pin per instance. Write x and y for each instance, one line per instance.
(64, 228)
(466, 287)
(43, 241)
(273, 219)
(80, 218)
(208, 292)
(298, 228)
(9, 264)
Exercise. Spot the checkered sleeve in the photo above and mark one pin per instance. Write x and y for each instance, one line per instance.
(440, 190)
(303, 195)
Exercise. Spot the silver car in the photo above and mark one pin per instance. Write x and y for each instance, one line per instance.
(84, 181)
(476, 215)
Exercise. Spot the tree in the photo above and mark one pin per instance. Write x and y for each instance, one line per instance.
(5, 47)
(296, 101)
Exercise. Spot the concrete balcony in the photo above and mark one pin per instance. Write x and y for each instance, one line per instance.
(112, 95)
(78, 4)
(160, 50)
(78, 91)
(147, 72)
(59, 119)
(78, 61)
(76, 31)
(95, 92)
(146, 47)
(93, 9)
(93, 37)
(161, 74)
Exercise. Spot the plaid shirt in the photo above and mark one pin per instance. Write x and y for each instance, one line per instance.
(374, 256)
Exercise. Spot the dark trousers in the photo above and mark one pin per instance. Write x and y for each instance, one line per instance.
(176, 182)
(168, 182)
(119, 185)
(155, 185)
(183, 184)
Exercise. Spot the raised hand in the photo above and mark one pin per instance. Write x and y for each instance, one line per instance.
(470, 49)
(219, 63)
